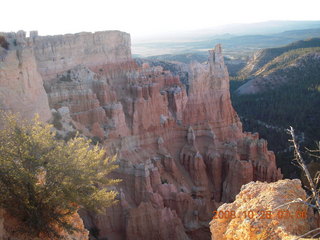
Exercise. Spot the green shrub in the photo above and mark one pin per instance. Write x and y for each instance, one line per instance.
(44, 180)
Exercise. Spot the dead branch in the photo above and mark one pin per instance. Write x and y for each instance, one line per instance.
(302, 164)
(306, 234)
(298, 200)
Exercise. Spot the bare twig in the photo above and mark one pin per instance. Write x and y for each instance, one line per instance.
(317, 178)
(315, 235)
(312, 182)
(315, 151)
(303, 165)
(298, 200)
(306, 234)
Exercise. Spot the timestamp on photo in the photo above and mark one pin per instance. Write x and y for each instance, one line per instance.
(260, 214)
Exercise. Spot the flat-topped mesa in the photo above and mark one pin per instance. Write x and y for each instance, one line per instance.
(57, 54)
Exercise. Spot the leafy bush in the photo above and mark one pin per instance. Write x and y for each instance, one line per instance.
(43, 180)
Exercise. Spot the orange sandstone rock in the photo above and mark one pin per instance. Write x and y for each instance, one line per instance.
(259, 198)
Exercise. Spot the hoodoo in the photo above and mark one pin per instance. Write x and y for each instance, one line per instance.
(180, 154)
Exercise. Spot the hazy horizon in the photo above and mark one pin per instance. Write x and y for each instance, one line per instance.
(143, 18)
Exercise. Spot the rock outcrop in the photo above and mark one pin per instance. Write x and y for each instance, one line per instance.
(165, 224)
(180, 153)
(56, 54)
(251, 219)
(21, 85)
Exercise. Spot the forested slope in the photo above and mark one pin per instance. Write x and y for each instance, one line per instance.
(284, 92)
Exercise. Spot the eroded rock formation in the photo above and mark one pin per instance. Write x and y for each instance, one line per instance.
(56, 54)
(21, 85)
(259, 198)
(180, 154)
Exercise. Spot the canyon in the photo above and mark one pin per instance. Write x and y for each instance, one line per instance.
(181, 153)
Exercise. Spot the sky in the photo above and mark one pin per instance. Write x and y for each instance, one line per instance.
(143, 18)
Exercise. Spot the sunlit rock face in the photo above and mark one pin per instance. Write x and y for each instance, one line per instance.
(261, 212)
(180, 155)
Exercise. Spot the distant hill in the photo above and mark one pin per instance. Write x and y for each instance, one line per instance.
(233, 45)
(229, 30)
(183, 57)
(236, 49)
(264, 56)
(288, 68)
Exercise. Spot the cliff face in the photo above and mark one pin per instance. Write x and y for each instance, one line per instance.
(21, 85)
(180, 154)
(56, 54)
(286, 222)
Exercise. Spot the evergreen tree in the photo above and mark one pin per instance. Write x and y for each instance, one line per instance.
(44, 180)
